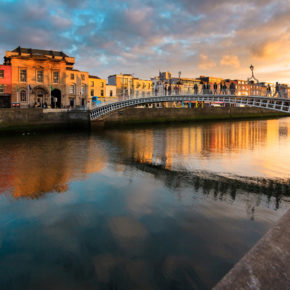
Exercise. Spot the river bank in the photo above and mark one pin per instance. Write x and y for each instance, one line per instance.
(135, 116)
(25, 120)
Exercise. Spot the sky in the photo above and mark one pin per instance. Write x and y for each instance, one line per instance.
(196, 37)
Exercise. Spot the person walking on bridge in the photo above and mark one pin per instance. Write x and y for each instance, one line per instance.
(225, 89)
(277, 90)
(195, 89)
(215, 88)
(165, 90)
(203, 88)
(232, 88)
(269, 91)
(221, 88)
(169, 90)
(208, 88)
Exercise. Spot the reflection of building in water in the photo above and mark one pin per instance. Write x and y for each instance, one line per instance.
(48, 164)
(161, 146)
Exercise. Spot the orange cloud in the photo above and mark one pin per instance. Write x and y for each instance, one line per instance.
(229, 60)
(205, 62)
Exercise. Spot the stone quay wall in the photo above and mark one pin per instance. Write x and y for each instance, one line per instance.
(22, 120)
(164, 115)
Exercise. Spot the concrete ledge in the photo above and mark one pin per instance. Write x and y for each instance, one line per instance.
(266, 265)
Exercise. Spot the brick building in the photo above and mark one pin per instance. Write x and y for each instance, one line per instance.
(5, 86)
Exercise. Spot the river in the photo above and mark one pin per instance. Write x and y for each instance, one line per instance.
(157, 207)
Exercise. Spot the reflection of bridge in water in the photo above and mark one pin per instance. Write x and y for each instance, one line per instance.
(275, 104)
(218, 185)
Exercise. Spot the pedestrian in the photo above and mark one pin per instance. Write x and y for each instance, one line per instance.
(215, 88)
(269, 91)
(195, 89)
(203, 88)
(156, 91)
(165, 90)
(169, 90)
(221, 88)
(277, 90)
(208, 88)
(232, 88)
(225, 89)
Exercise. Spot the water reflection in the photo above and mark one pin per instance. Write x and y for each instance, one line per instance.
(245, 148)
(35, 165)
(156, 208)
(221, 187)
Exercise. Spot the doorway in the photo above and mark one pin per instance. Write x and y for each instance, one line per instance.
(56, 98)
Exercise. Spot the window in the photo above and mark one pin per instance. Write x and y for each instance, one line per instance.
(23, 96)
(72, 89)
(83, 77)
(92, 83)
(55, 77)
(111, 93)
(83, 90)
(40, 76)
(1, 88)
(102, 85)
(23, 75)
(92, 93)
(72, 76)
(102, 93)
(1, 74)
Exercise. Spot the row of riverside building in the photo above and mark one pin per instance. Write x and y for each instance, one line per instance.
(46, 78)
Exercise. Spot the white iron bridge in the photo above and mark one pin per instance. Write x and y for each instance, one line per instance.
(274, 104)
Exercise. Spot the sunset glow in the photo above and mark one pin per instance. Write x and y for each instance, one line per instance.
(217, 38)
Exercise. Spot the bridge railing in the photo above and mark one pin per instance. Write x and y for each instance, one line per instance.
(112, 100)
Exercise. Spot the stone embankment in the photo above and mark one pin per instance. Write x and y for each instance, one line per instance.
(22, 120)
(266, 265)
(165, 115)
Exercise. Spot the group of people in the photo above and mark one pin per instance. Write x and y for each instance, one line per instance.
(223, 89)
(277, 91)
(168, 89)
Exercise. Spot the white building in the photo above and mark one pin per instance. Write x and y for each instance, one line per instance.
(111, 91)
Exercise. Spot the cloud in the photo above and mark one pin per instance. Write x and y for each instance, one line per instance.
(229, 60)
(205, 63)
(144, 36)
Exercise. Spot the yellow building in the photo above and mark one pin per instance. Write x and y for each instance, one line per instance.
(123, 83)
(127, 85)
(142, 87)
(97, 87)
(46, 78)
(77, 84)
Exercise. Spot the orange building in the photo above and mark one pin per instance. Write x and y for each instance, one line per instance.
(46, 78)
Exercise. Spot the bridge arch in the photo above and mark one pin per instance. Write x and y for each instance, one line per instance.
(275, 104)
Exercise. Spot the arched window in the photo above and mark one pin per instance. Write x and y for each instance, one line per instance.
(23, 96)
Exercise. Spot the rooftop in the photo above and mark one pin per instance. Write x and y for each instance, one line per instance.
(34, 51)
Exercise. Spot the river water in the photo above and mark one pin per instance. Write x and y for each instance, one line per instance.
(160, 207)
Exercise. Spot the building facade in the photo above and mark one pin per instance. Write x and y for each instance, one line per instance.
(45, 78)
(5, 86)
(123, 83)
(111, 91)
(76, 88)
(97, 87)
(142, 88)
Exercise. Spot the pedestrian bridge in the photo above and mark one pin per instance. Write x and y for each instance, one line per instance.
(275, 104)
